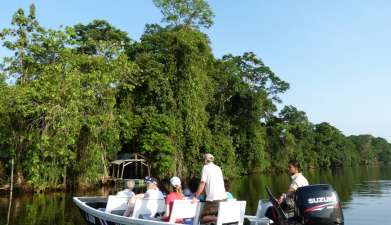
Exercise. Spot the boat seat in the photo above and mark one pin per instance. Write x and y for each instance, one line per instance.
(185, 209)
(149, 207)
(116, 203)
(260, 217)
(118, 212)
(231, 212)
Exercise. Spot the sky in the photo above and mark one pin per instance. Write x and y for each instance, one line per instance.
(335, 54)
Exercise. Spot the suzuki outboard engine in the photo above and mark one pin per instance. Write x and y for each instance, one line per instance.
(318, 205)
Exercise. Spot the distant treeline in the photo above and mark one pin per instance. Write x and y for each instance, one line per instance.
(72, 98)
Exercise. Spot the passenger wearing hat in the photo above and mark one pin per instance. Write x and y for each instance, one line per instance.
(212, 182)
(152, 192)
(175, 194)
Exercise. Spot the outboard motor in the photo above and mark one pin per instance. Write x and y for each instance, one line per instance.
(318, 205)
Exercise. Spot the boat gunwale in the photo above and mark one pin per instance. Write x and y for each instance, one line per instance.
(112, 217)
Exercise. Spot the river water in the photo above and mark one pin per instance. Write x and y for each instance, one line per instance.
(365, 193)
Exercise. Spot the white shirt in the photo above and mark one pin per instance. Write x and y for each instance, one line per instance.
(214, 182)
(298, 180)
(126, 193)
(154, 194)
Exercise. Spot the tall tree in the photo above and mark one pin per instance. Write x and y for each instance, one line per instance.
(174, 64)
(331, 146)
(19, 38)
(366, 147)
(245, 92)
(194, 13)
(99, 38)
(62, 106)
(4, 118)
(290, 136)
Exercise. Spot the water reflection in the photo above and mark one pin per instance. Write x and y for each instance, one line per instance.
(365, 193)
(38, 209)
(370, 203)
(41, 209)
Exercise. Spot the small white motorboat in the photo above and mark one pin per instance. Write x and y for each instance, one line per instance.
(314, 205)
(109, 211)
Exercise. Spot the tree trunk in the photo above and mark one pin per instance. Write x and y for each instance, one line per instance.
(105, 172)
(11, 191)
(65, 178)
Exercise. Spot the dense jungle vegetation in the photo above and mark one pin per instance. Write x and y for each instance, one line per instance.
(73, 97)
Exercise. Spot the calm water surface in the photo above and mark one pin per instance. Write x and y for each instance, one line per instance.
(365, 192)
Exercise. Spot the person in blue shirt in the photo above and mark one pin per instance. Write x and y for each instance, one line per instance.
(229, 194)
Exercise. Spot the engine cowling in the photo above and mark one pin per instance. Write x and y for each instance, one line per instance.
(318, 205)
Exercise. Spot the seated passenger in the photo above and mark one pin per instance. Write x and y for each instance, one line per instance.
(175, 194)
(187, 192)
(128, 191)
(229, 194)
(152, 192)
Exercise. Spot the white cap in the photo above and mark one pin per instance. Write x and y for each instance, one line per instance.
(209, 157)
(175, 181)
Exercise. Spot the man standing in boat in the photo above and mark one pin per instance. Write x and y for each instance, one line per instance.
(212, 182)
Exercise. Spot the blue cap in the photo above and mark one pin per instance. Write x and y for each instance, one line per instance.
(149, 179)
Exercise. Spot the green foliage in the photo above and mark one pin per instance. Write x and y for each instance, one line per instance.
(4, 121)
(173, 86)
(99, 38)
(330, 146)
(156, 142)
(291, 135)
(195, 13)
(371, 150)
(62, 99)
(245, 91)
(77, 97)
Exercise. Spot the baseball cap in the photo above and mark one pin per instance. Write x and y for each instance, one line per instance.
(149, 179)
(175, 181)
(209, 157)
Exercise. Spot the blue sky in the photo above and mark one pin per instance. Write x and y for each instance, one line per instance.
(335, 53)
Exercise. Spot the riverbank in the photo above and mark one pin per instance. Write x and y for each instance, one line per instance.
(108, 183)
(28, 189)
